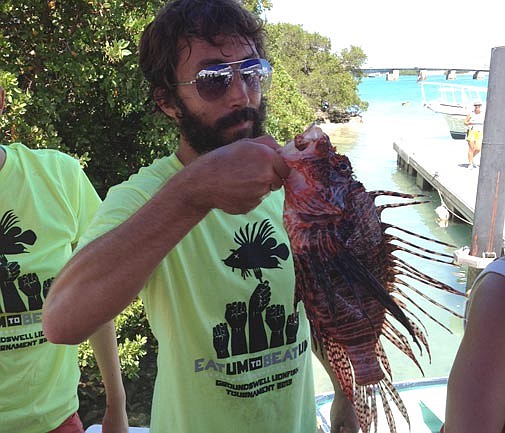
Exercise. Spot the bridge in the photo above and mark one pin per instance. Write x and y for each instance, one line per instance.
(392, 73)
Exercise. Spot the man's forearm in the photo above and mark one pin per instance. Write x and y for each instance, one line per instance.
(106, 275)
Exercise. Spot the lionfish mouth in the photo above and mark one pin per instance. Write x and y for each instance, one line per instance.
(301, 145)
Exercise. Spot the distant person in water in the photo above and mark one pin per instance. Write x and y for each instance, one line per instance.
(475, 124)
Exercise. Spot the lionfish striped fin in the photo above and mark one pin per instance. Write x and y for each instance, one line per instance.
(381, 207)
(426, 238)
(420, 334)
(373, 405)
(400, 341)
(362, 408)
(341, 365)
(352, 268)
(365, 400)
(395, 247)
(404, 306)
(381, 354)
(390, 237)
(423, 278)
(431, 300)
(387, 408)
(386, 388)
(415, 304)
(378, 192)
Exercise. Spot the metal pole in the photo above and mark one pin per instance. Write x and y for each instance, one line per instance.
(487, 232)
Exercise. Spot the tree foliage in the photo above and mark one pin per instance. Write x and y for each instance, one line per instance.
(320, 74)
(79, 85)
(257, 6)
(288, 111)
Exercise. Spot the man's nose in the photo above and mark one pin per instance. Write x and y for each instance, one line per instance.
(239, 90)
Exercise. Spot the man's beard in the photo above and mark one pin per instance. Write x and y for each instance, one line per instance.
(204, 138)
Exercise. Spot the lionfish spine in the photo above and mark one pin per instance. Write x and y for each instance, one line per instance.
(386, 389)
(391, 238)
(394, 247)
(432, 301)
(400, 341)
(405, 307)
(387, 225)
(423, 278)
(380, 208)
(378, 192)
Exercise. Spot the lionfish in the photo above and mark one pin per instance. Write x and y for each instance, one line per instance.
(347, 275)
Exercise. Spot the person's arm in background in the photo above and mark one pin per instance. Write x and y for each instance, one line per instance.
(104, 345)
(476, 387)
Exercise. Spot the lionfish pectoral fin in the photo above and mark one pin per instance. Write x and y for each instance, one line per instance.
(355, 272)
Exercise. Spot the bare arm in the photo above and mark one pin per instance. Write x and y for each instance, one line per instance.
(104, 346)
(476, 388)
(468, 119)
(112, 269)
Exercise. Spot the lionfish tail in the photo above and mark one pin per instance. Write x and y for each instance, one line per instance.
(365, 403)
(364, 396)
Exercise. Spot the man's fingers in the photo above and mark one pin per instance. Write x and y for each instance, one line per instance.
(280, 167)
(269, 141)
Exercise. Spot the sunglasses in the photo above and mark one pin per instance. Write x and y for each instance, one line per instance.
(213, 81)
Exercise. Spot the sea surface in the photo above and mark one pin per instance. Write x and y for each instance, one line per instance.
(396, 112)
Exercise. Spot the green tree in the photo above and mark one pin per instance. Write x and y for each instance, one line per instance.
(257, 6)
(320, 74)
(79, 84)
(288, 111)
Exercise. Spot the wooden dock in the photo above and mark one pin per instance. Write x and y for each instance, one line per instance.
(442, 165)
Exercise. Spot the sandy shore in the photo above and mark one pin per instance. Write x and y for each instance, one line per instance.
(343, 133)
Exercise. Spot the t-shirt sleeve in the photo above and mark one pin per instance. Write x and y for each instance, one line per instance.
(122, 201)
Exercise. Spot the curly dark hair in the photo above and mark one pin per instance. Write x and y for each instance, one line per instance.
(159, 48)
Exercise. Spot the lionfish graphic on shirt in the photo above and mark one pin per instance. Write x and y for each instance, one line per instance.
(347, 275)
(257, 249)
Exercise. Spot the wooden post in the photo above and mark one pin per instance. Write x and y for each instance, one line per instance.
(487, 232)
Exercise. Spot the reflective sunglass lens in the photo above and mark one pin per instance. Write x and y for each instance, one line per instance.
(258, 75)
(213, 82)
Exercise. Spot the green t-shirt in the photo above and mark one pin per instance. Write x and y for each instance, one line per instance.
(233, 356)
(46, 202)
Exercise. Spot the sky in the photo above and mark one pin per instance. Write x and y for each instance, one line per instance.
(455, 34)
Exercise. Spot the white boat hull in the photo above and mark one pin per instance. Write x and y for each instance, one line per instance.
(453, 102)
(457, 127)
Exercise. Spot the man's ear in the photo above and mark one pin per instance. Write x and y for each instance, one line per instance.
(165, 103)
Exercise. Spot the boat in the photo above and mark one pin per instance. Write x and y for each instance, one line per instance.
(453, 102)
(423, 398)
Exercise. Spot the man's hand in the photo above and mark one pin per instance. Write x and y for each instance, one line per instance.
(236, 177)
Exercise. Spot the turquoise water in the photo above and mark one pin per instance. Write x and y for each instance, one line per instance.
(396, 111)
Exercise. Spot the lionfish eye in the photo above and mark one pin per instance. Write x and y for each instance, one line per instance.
(343, 166)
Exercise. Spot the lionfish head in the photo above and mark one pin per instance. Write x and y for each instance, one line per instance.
(319, 178)
(312, 144)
